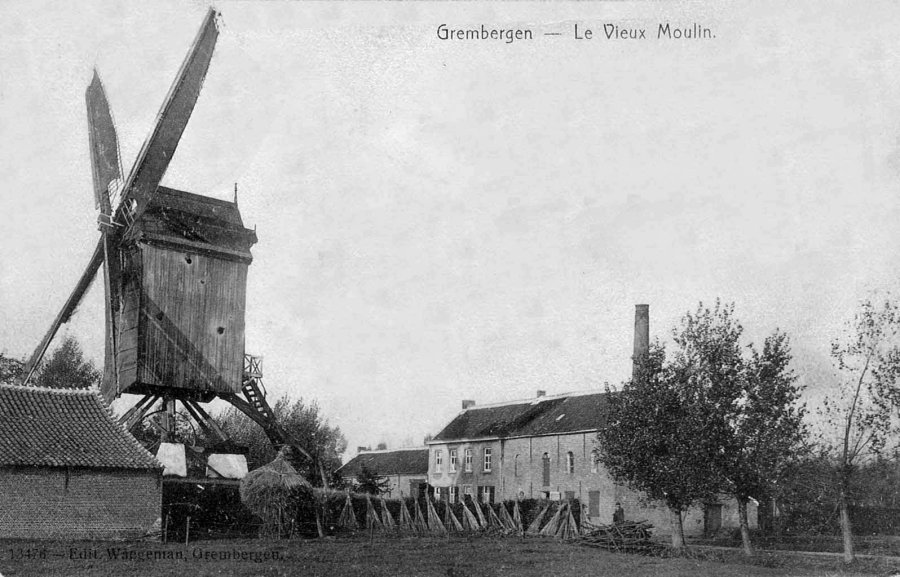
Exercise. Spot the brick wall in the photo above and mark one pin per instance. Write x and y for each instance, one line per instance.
(48, 503)
(518, 470)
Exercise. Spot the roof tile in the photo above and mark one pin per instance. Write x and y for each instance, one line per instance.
(542, 416)
(65, 428)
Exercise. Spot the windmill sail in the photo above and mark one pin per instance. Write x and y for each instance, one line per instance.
(158, 149)
(107, 172)
(105, 164)
(71, 304)
(145, 175)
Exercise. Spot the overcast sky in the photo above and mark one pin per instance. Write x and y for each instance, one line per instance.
(441, 220)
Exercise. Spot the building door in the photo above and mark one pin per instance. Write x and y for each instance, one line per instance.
(546, 462)
(594, 503)
(712, 519)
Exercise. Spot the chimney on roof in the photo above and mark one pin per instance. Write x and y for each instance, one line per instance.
(361, 449)
(540, 393)
(467, 403)
(641, 337)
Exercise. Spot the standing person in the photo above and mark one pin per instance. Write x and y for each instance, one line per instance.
(618, 515)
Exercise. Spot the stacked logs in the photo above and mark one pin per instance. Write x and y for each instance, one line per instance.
(627, 537)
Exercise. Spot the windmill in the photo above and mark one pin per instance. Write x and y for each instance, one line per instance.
(174, 271)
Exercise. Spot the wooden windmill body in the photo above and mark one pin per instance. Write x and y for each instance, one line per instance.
(175, 271)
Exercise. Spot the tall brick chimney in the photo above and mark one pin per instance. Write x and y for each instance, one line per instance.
(641, 337)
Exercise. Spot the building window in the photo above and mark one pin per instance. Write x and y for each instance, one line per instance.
(488, 458)
(453, 493)
(467, 491)
(516, 466)
(546, 469)
(486, 494)
(570, 463)
(438, 460)
(595, 460)
(454, 460)
(468, 461)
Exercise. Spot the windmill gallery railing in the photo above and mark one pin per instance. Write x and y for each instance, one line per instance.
(252, 367)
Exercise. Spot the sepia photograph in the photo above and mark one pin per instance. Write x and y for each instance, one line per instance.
(449, 288)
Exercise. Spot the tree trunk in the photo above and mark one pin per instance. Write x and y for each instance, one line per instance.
(846, 529)
(677, 529)
(745, 526)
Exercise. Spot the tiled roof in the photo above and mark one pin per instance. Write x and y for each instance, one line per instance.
(399, 462)
(65, 428)
(541, 416)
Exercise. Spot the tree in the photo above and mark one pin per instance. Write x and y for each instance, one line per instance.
(706, 421)
(67, 368)
(368, 481)
(857, 415)
(650, 441)
(767, 427)
(11, 370)
(303, 422)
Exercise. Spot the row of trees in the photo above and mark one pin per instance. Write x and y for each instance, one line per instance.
(712, 415)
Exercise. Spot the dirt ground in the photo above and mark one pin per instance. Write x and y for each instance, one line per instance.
(455, 557)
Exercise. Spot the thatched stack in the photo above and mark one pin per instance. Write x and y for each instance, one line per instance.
(372, 520)
(434, 520)
(451, 521)
(386, 518)
(347, 519)
(270, 493)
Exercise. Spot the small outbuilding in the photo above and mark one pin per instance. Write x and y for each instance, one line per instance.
(406, 470)
(69, 470)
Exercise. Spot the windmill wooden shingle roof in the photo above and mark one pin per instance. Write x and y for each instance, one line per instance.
(65, 428)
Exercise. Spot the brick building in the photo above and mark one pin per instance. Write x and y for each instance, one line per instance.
(69, 470)
(406, 470)
(545, 448)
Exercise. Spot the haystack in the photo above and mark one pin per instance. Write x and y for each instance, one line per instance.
(469, 522)
(406, 521)
(372, 520)
(347, 519)
(517, 517)
(421, 525)
(535, 527)
(506, 519)
(386, 518)
(270, 492)
(451, 521)
(434, 520)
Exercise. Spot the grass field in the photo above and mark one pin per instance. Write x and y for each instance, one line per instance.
(456, 557)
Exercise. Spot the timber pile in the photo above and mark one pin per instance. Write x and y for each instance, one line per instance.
(628, 537)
